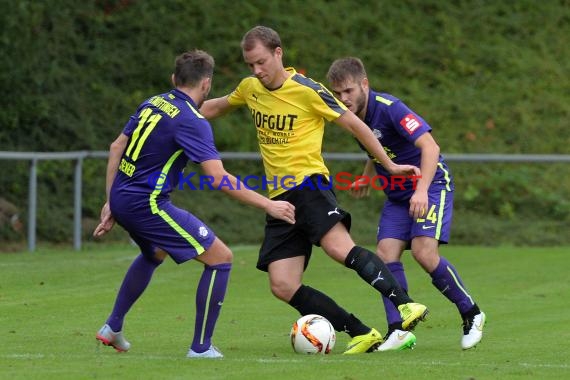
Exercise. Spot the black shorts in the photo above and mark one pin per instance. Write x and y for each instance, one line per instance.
(316, 212)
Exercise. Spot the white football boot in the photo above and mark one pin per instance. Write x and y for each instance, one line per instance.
(115, 339)
(398, 340)
(210, 353)
(472, 331)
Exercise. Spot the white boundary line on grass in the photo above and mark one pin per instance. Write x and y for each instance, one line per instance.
(29, 356)
(432, 363)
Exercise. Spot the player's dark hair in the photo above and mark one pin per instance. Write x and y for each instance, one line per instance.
(191, 67)
(344, 69)
(263, 34)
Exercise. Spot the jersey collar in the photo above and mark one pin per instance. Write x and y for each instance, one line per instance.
(371, 107)
(180, 94)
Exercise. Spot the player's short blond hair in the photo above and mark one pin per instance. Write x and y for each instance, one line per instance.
(261, 34)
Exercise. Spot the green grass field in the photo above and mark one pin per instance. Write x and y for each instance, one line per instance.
(53, 301)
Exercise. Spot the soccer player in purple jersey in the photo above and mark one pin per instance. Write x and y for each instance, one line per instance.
(145, 164)
(416, 216)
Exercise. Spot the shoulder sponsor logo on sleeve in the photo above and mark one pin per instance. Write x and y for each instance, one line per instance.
(410, 123)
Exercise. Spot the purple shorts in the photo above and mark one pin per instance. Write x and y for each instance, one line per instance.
(178, 232)
(395, 221)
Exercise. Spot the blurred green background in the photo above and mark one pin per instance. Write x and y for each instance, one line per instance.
(489, 77)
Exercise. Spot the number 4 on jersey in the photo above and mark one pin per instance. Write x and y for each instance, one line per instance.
(431, 216)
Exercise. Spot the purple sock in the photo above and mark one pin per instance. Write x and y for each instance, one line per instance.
(392, 313)
(446, 279)
(135, 282)
(209, 298)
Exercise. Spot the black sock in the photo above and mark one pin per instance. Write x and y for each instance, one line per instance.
(311, 301)
(471, 313)
(394, 326)
(373, 270)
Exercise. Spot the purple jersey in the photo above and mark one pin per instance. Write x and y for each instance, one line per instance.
(397, 127)
(166, 131)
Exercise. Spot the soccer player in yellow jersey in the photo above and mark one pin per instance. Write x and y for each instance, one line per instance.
(289, 112)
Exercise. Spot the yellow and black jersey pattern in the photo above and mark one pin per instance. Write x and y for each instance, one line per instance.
(290, 125)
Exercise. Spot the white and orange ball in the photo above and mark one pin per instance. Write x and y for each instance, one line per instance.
(312, 334)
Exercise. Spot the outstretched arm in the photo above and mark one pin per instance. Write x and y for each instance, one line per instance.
(430, 158)
(361, 188)
(115, 153)
(358, 129)
(213, 108)
(277, 209)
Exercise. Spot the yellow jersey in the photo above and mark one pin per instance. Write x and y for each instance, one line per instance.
(290, 125)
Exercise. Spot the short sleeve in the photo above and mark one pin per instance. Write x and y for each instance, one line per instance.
(327, 105)
(238, 95)
(406, 122)
(320, 99)
(197, 140)
(133, 121)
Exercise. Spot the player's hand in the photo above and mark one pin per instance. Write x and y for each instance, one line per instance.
(107, 221)
(405, 170)
(281, 210)
(419, 204)
(360, 188)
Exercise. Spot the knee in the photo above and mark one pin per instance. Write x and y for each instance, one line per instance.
(386, 256)
(218, 253)
(159, 255)
(283, 290)
(390, 250)
(427, 258)
(226, 255)
(338, 254)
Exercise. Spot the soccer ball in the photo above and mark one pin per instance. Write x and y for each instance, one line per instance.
(312, 334)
